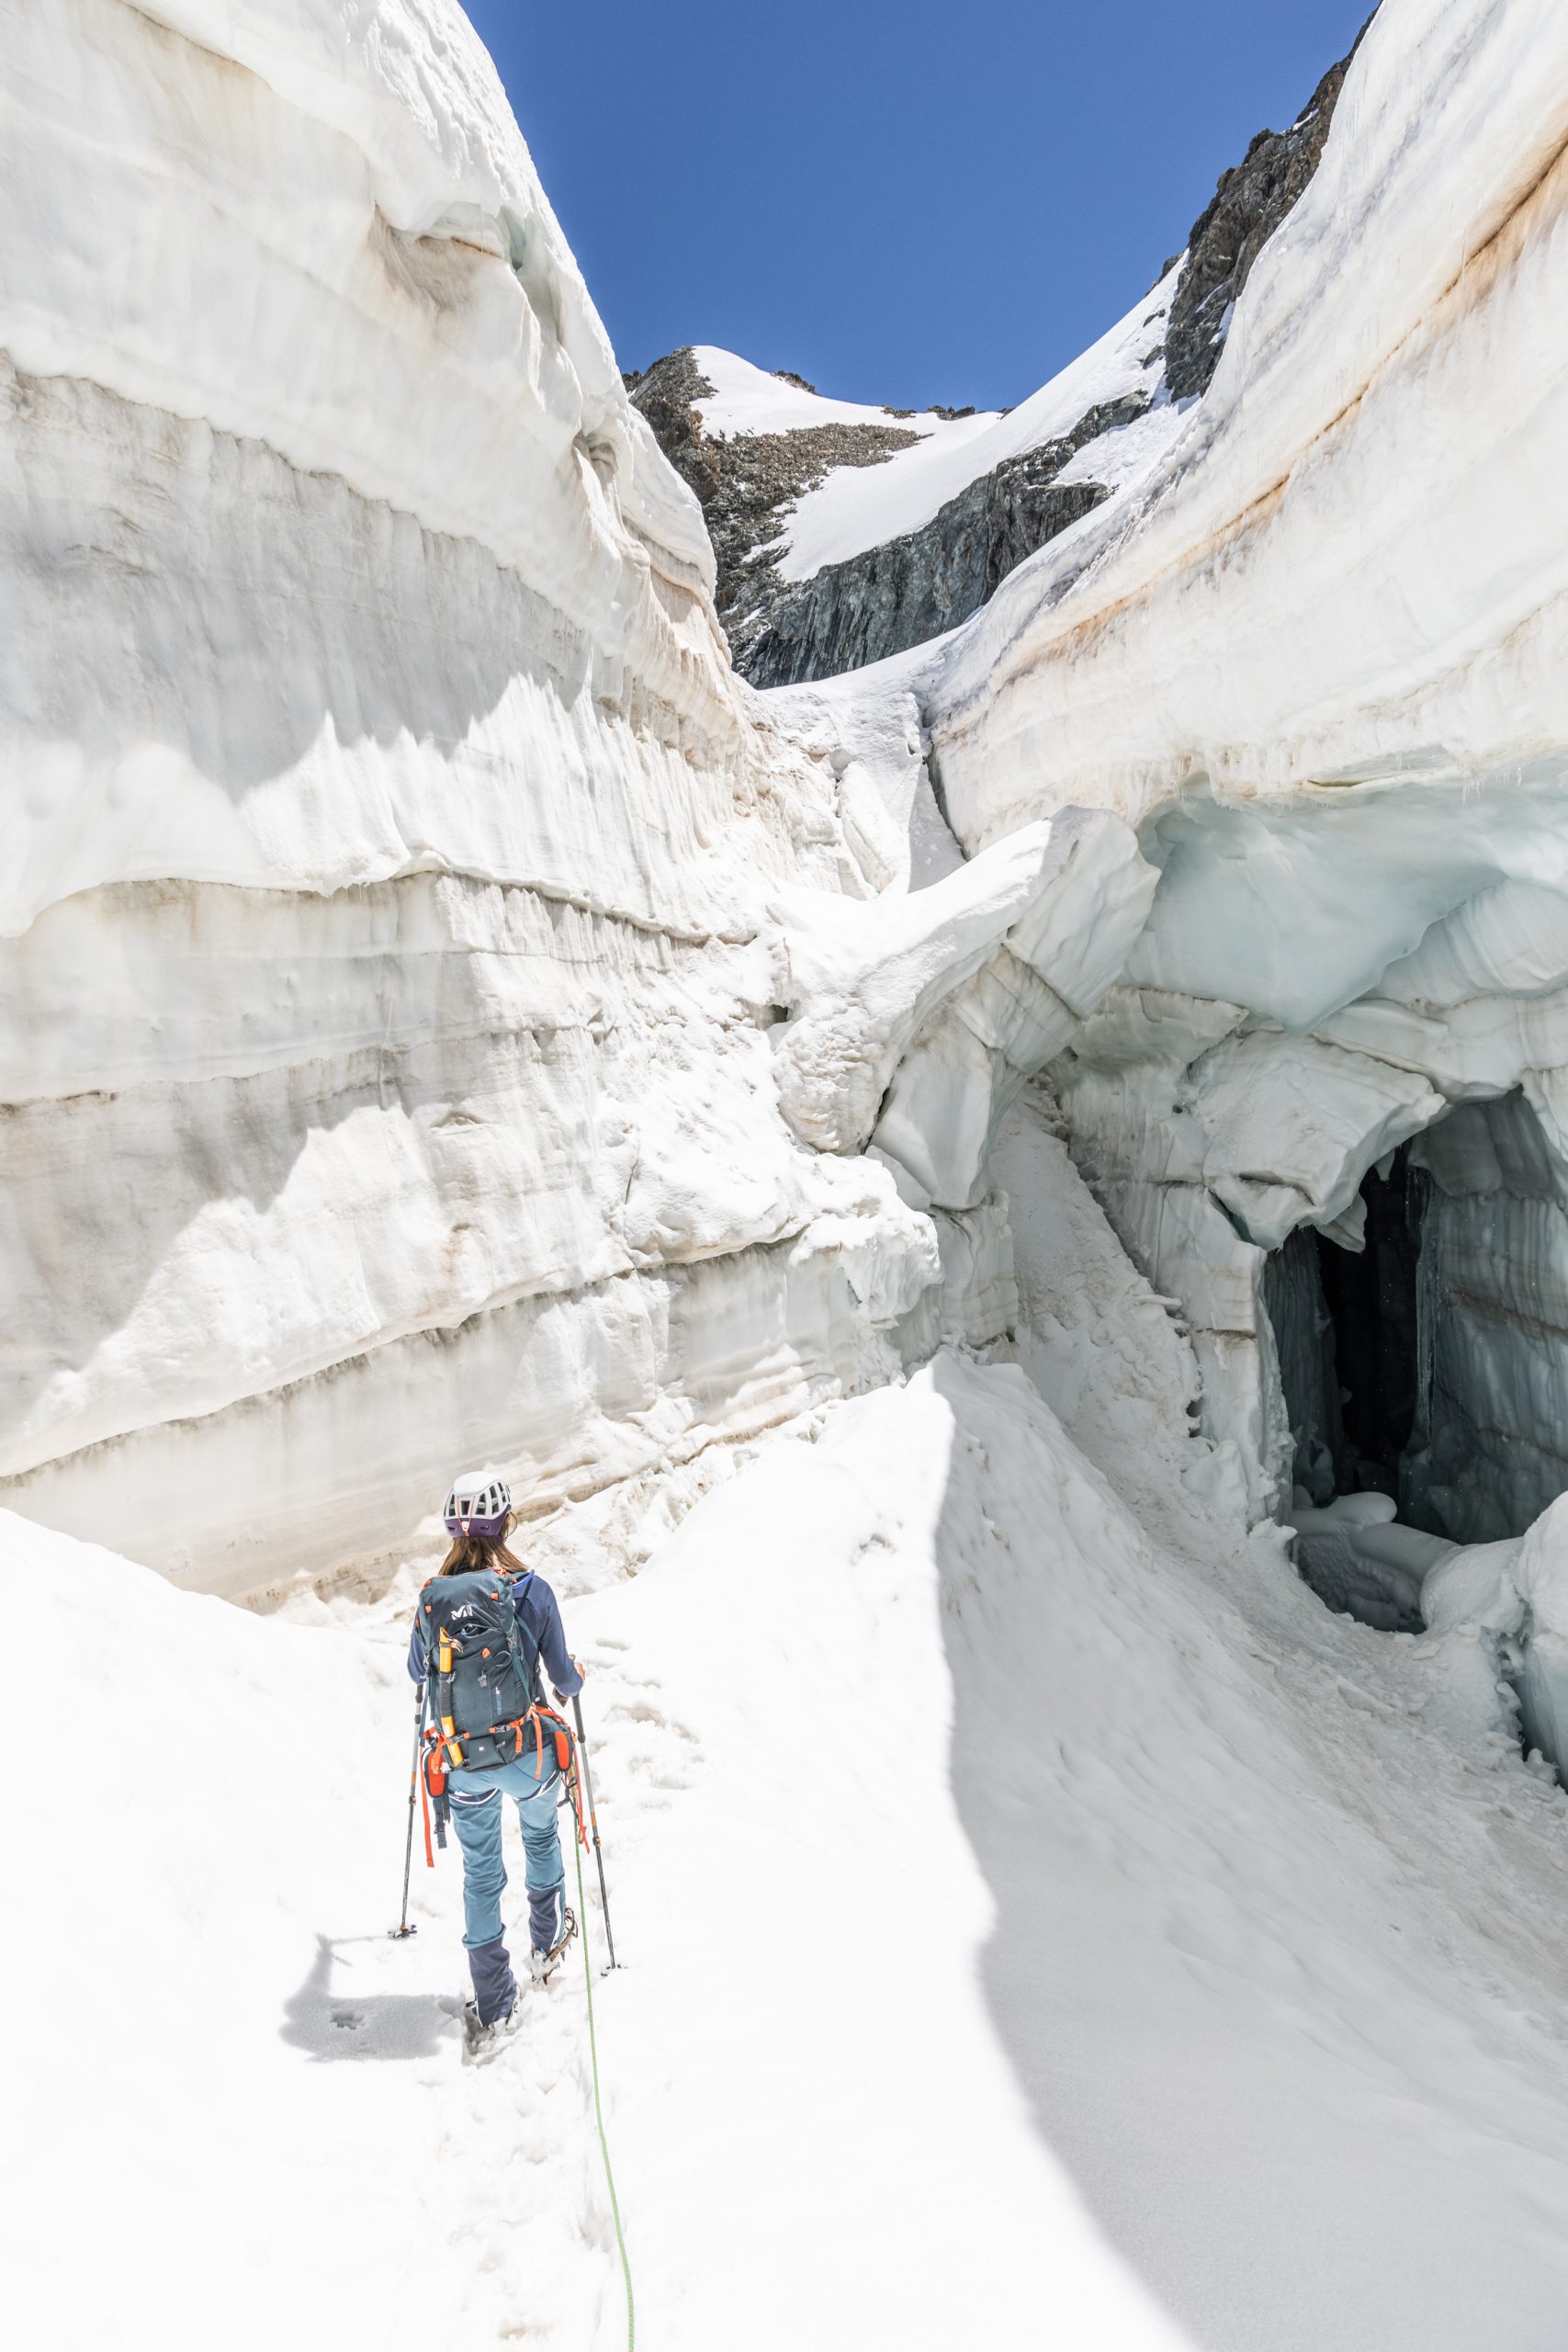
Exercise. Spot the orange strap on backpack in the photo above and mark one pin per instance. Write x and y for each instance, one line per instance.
(445, 1743)
(432, 1783)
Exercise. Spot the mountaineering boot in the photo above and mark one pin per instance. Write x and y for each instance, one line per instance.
(496, 2010)
(551, 1927)
(481, 2042)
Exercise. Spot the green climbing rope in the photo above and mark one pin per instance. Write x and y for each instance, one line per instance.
(598, 2109)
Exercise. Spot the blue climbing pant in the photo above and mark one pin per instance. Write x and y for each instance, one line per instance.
(478, 1809)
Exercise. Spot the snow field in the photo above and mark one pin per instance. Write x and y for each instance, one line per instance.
(819, 2138)
(1033, 1932)
(232, 2057)
(1349, 563)
(859, 507)
(747, 398)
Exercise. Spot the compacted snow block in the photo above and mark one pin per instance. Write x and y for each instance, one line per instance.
(913, 1025)
(1512, 1595)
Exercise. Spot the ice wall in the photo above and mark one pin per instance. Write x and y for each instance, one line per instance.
(1317, 657)
(388, 969)
(1276, 1036)
(441, 1014)
(1493, 1451)
(1351, 565)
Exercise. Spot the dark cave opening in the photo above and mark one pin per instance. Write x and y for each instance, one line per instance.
(1370, 1300)
(1345, 1323)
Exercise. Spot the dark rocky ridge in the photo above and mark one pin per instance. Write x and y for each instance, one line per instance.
(911, 589)
(1247, 206)
(746, 484)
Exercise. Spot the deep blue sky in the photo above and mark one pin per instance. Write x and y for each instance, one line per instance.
(904, 200)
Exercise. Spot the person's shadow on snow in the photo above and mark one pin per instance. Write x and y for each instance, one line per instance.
(348, 2024)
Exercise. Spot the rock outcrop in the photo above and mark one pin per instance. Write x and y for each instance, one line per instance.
(747, 482)
(909, 589)
(913, 588)
(1246, 209)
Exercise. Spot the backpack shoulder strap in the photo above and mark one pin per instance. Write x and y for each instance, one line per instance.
(527, 1665)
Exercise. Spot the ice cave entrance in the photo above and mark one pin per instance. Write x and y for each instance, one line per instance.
(1347, 1324)
(1430, 1364)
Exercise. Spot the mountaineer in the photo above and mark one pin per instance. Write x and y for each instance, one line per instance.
(483, 1627)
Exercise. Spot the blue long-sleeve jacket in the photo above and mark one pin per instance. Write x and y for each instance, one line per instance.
(544, 1637)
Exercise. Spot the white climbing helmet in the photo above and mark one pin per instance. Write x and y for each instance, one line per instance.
(478, 1504)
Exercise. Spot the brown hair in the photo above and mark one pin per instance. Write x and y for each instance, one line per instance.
(481, 1552)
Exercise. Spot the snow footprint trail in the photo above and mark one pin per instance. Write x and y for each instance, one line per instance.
(1038, 1863)
(517, 2188)
(817, 2138)
(1268, 1970)
(519, 2193)
(251, 2051)
(972, 1859)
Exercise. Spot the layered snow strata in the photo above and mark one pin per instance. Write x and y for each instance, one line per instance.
(388, 970)
(1350, 563)
(1317, 656)
(333, 1189)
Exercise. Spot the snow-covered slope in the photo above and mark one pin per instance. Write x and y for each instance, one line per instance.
(943, 1810)
(837, 524)
(855, 510)
(841, 540)
(745, 401)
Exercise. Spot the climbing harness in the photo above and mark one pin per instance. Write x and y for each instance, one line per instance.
(444, 1753)
(447, 1750)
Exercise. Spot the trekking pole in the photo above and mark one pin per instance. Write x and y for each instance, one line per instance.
(403, 1928)
(593, 1825)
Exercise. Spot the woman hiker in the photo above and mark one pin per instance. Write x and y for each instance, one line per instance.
(484, 1625)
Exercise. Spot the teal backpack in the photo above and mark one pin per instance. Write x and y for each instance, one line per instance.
(481, 1685)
